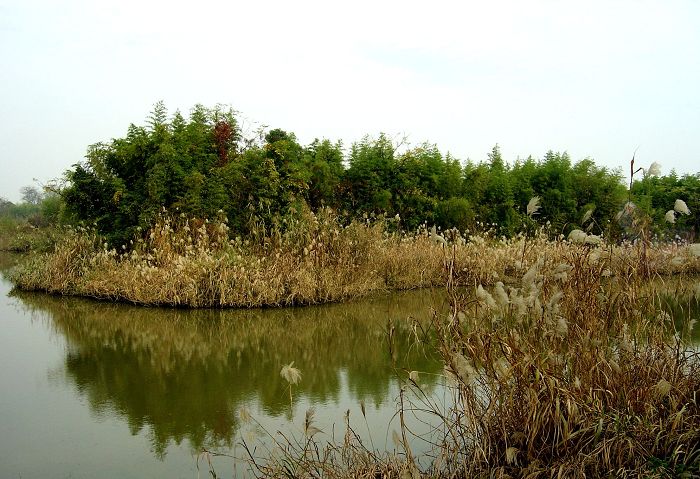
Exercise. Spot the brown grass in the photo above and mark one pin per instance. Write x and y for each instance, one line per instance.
(563, 372)
(189, 262)
(570, 377)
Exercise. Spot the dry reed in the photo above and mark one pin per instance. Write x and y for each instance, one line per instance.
(315, 259)
(562, 372)
(567, 373)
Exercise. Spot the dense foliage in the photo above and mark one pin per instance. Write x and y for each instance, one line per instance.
(657, 194)
(204, 166)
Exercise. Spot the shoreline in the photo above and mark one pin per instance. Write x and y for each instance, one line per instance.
(357, 262)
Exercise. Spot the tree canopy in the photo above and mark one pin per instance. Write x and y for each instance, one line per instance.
(202, 165)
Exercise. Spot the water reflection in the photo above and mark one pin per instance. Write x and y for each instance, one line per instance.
(7, 261)
(183, 374)
(680, 298)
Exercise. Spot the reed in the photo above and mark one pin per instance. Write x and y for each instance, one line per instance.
(564, 373)
(569, 374)
(314, 259)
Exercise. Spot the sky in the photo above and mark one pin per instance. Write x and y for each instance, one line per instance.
(598, 79)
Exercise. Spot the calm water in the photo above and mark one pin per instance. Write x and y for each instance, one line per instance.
(91, 389)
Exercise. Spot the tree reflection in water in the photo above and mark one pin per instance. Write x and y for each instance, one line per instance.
(184, 374)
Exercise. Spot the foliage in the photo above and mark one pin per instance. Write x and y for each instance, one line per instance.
(203, 164)
(30, 225)
(655, 195)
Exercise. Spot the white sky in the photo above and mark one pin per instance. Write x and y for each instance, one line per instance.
(595, 78)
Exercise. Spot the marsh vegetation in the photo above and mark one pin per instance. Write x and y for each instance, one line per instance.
(566, 350)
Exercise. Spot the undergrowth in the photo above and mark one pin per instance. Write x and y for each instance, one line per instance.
(182, 261)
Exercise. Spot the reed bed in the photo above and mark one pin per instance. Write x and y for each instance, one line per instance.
(569, 374)
(563, 373)
(314, 259)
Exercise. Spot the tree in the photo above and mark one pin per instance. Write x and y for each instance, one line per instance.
(5, 205)
(31, 195)
(369, 176)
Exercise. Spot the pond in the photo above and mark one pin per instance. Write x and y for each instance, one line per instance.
(94, 389)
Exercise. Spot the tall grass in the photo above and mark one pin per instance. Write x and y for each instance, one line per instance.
(18, 236)
(563, 372)
(569, 376)
(314, 259)
(189, 262)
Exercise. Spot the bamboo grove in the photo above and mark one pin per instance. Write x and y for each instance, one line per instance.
(205, 165)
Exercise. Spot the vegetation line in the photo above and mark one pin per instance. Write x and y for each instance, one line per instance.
(189, 262)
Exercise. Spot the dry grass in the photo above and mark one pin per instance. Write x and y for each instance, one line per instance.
(304, 456)
(569, 376)
(193, 263)
(188, 262)
(562, 373)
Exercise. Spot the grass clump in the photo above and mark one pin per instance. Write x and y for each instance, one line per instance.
(574, 376)
(189, 262)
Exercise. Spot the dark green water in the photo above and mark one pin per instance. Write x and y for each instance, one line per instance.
(91, 389)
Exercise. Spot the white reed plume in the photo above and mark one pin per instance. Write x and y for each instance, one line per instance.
(670, 216)
(531, 276)
(653, 170)
(592, 239)
(485, 297)
(681, 207)
(562, 271)
(309, 428)
(553, 303)
(561, 327)
(463, 368)
(292, 375)
(533, 206)
(438, 238)
(519, 303)
(501, 296)
(577, 236)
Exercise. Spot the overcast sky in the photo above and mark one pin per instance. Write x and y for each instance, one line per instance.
(595, 78)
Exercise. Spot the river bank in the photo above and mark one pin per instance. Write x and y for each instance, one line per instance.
(193, 263)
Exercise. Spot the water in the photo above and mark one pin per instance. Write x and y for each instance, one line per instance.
(92, 389)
